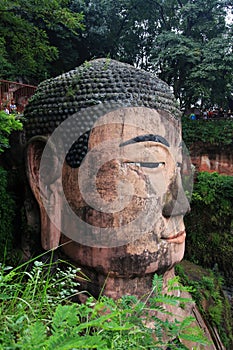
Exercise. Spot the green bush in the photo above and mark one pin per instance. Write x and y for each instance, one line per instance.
(7, 213)
(206, 289)
(8, 123)
(209, 242)
(214, 132)
(36, 312)
(209, 224)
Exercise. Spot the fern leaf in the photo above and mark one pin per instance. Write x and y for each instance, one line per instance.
(157, 284)
(195, 335)
(65, 315)
(68, 342)
(34, 337)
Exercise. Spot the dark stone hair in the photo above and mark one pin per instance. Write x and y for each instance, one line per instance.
(98, 82)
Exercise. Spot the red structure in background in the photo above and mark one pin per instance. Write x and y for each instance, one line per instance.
(13, 93)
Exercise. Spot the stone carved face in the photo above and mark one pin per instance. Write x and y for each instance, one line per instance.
(127, 192)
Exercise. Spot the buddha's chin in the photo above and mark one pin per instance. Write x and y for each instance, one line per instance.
(177, 252)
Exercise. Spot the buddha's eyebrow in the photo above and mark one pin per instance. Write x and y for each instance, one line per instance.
(144, 138)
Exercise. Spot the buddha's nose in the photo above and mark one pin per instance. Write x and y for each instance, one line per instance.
(175, 200)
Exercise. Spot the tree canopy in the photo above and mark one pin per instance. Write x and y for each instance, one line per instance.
(187, 43)
(194, 55)
(26, 28)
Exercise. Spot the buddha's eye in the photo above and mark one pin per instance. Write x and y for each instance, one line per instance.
(151, 165)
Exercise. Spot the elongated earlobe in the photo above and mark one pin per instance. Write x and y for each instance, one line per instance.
(45, 189)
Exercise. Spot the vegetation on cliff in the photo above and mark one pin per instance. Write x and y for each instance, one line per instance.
(214, 132)
(209, 244)
(7, 214)
(207, 291)
(209, 224)
(8, 124)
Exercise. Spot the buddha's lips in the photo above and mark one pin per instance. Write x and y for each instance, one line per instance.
(178, 238)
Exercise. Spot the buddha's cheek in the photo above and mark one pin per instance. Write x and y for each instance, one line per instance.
(127, 220)
(125, 188)
(118, 194)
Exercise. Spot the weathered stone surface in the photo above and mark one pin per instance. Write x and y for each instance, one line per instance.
(137, 104)
(147, 248)
(211, 158)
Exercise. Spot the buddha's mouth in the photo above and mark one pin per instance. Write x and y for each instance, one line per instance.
(178, 238)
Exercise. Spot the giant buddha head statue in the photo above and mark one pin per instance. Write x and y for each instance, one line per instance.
(104, 161)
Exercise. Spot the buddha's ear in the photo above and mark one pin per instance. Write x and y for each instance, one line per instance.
(44, 180)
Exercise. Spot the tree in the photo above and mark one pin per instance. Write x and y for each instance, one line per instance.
(186, 42)
(195, 54)
(120, 29)
(174, 56)
(24, 44)
(212, 77)
(183, 41)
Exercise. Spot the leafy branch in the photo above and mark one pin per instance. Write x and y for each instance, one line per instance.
(8, 123)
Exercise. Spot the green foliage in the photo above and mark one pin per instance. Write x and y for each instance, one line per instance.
(188, 44)
(176, 55)
(209, 224)
(214, 132)
(212, 77)
(210, 244)
(26, 28)
(206, 290)
(120, 29)
(7, 208)
(8, 123)
(29, 295)
(193, 52)
(35, 315)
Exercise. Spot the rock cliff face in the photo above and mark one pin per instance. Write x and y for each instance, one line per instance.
(206, 157)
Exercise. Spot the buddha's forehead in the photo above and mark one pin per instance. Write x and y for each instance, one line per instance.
(126, 123)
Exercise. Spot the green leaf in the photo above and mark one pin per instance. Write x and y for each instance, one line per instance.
(34, 337)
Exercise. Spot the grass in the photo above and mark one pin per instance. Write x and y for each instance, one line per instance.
(37, 312)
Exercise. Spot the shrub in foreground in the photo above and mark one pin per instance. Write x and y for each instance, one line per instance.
(37, 312)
